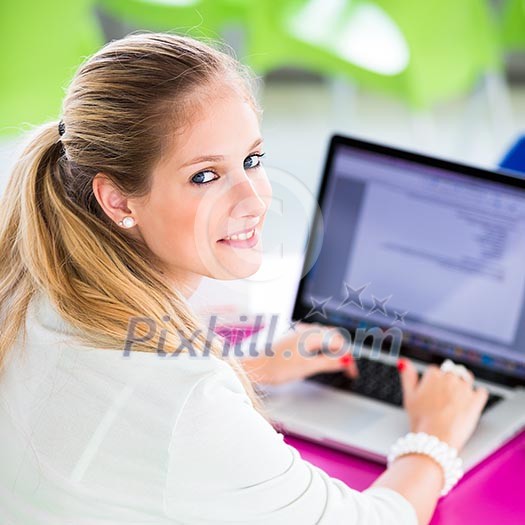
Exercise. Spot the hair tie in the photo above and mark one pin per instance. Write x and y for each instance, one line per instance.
(61, 127)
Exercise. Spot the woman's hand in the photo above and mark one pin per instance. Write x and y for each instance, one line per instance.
(441, 404)
(296, 356)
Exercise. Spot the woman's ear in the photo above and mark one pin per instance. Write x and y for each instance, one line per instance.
(111, 200)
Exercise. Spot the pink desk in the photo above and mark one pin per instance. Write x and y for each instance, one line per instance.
(491, 494)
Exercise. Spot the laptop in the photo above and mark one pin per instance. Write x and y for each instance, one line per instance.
(409, 255)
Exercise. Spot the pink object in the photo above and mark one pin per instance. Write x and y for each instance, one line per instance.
(237, 333)
(490, 494)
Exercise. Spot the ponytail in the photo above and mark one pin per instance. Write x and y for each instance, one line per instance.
(18, 217)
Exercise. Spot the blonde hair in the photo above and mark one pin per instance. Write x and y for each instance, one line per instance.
(119, 112)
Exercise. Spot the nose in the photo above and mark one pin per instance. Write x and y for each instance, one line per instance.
(248, 201)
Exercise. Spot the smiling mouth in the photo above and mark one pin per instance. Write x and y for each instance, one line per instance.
(246, 239)
(240, 236)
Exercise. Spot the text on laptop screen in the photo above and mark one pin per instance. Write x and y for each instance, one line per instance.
(437, 253)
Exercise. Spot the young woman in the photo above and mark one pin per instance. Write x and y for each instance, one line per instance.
(109, 220)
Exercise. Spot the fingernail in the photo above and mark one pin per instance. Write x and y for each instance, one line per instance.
(401, 365)
(346, 359)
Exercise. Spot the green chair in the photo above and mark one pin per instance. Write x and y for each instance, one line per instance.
(420, 52)
(43, 43)
(513, 25)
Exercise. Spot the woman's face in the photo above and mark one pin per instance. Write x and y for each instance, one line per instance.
(195, 203)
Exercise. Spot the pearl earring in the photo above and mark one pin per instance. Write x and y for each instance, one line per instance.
(127, 222)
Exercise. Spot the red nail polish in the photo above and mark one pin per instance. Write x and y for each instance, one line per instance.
(346, 359)
(401, 365)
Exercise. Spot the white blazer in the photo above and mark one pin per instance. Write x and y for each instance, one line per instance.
(88, 436)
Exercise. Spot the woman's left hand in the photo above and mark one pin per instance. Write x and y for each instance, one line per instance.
(311, 349)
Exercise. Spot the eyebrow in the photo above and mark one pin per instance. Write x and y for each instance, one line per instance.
(215, 158)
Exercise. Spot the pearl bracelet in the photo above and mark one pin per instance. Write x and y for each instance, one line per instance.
(445, 455)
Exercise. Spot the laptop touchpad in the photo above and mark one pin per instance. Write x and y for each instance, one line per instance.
(323, 408)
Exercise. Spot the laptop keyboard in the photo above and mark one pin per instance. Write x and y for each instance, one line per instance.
(376, 380)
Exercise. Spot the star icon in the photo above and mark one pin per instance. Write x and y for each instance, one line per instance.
(379, 305)
(317, 306)
(353, 296)
(292, 324)
(400, 317)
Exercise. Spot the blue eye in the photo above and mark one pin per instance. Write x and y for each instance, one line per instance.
(257, 155)
(201, 176)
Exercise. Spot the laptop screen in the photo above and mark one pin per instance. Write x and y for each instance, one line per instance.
(433, 248)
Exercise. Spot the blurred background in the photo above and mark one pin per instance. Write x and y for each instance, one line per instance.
(437, 76)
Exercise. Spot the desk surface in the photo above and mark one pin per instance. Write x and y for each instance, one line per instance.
(490, 494)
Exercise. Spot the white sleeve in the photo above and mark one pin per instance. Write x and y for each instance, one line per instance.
(228, 465)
